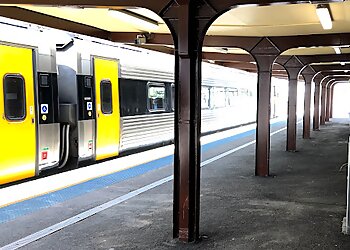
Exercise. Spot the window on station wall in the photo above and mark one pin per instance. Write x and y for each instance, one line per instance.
(205, 97)
(156, 97)
(106, 97)
(218, 97)
(231, 97)
(14, 97)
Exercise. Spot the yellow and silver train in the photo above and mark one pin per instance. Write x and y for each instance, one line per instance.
(66, 97)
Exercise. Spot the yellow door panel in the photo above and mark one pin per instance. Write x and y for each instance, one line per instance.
(107, 108)
(17, 130)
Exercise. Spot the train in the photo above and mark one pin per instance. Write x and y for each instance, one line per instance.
(68, 97)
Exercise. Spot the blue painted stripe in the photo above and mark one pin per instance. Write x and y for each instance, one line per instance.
(13, 211)
(236, 137)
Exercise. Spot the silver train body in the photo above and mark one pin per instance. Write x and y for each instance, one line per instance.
(73, 122)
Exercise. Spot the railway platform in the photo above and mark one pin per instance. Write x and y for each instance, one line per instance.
(301, 206)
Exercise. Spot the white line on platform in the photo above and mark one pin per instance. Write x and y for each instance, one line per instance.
(82, 216)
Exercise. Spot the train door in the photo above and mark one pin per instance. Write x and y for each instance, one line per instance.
(17, 110)
(107, 108)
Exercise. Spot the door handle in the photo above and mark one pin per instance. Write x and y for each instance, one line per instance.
(33, 120)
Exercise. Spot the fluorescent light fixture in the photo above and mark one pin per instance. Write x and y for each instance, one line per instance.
(135, 19)
(337, 50)
(342, 63)
(346, 71)
(324, 16)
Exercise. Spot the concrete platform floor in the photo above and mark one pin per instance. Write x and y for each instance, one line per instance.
(302, 207)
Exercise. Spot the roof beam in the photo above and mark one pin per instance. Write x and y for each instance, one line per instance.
(283, 42)
(324, 58)
(228, 57)
(54, 22)
(331, 67)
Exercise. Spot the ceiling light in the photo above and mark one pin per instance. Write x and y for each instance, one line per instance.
(342, 63)
(324, 15)
(346, 71)
(134, 19)
(337, 50)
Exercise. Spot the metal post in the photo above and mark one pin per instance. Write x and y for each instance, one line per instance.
(293, 66)
(187, 125)
(307, 104)
(265, 54)
(292, 113)
(316, 118)
(328, 101)
(263, 118)
(332, 99)
(323, 104)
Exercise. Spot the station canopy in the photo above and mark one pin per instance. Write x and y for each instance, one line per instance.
(119, 24)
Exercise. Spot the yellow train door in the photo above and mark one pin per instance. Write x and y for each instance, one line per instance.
(107, 108)
(17, 110)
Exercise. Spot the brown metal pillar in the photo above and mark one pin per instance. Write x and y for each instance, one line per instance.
(265, 54)
(316, 119)
(331, 104)
(328, 101)
(292, 111)
(323, 103)
(189, 121)
(188, 31)
(307, 103)
(293, 67)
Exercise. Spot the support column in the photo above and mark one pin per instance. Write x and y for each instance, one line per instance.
(292, 112)
(323, 103)
(316, 118)
(332, 99)
(307, 104)
(188, 30)
(328, 101)
(293, 67)
(264, 54)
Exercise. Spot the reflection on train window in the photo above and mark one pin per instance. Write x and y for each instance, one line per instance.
(205, 98)
(106, 97)
(14, 95)
(156, 97)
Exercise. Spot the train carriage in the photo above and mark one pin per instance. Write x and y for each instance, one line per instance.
(74, 98)
(29, 106)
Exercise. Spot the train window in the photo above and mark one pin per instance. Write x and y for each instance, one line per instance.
(218, 98)
(156, 97)
(231, 94)
(106, 97)
(205, 98)
(172, 97)
(44, 80)
(87, 81)
(14, 97)
(244, 92)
